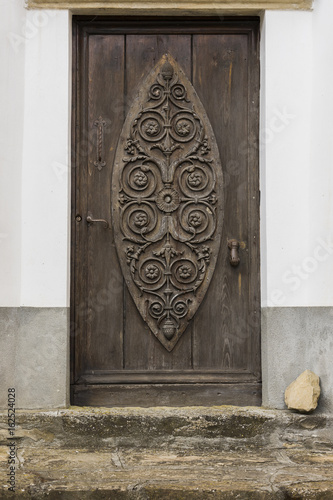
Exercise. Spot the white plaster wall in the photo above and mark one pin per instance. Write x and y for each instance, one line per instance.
(34, 196)
(11, 141)
(286, 150)
(45, 166)
(321, 175)
(297, 157)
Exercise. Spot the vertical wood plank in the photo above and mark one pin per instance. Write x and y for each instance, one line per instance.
(254, 203)
(79, 239)
(105, 287)
(220, 78)
(76, 64)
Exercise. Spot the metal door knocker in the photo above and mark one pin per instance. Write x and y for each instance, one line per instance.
(234, 258)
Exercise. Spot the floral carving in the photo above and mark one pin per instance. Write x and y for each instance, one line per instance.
(195, 179)
(195, 219)
(152, 127)
(140, 179)
(167, 200)
(140, 219)
(168, 214)
(184, 272)
(183, 127)
(152, 271)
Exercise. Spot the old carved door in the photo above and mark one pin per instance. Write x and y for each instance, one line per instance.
(165, 212)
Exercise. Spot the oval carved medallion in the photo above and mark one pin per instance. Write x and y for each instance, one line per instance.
(167, 201)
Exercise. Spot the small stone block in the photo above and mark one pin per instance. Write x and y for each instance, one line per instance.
(303, 394)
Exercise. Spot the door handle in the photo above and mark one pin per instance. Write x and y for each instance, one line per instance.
(234, 258)
(91, 220)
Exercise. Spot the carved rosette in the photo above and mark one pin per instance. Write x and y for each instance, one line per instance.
(167, 201)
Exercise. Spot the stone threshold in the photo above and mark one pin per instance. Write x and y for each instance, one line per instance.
(144, 427)
(169, 453)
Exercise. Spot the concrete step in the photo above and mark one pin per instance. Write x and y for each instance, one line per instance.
(169, 453)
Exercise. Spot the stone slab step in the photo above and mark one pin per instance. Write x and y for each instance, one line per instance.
(221, 427)
(158, 474)
(169, 453)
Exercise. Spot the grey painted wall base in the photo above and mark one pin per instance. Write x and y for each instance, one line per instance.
(295, 339)
(34, 356)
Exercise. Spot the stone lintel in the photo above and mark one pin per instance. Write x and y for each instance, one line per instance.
(183, 7)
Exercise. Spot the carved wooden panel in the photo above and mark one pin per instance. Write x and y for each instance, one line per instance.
(167, 201)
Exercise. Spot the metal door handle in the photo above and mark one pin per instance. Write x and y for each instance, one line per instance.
(91, 220)
(234, 258)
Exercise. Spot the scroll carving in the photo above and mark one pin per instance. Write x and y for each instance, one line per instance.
(167, 201)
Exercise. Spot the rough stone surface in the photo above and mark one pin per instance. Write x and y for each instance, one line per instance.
(303, 394)
(170, 453)
(294, 338)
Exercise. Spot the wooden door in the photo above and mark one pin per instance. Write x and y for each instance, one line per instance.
(194, 338)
